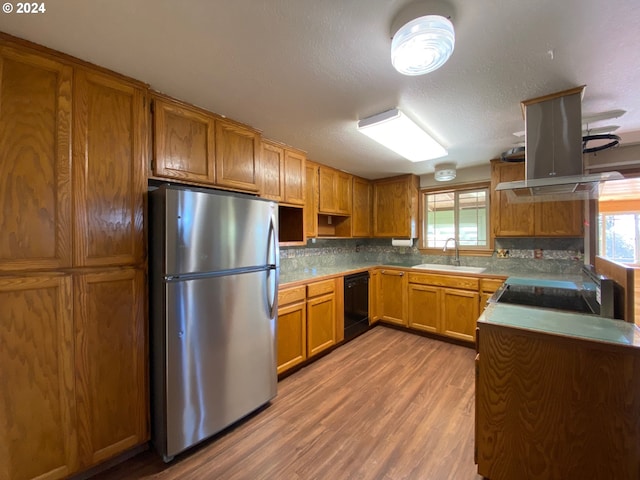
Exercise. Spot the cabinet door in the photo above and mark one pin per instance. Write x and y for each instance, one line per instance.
(374, 289)
(110, 363)
(321, 323)
(292, 336)
(424, 308)
(311, 201)
(459, 314)
(393, 295)
(237, 155)
(272, 165)
(183, 142)
(327, 186)
(37, 397)
(395, 205)
(109, 155)
(559, 219)
(35, 165)
(294, 177)
(343, 193)
(509, 219)
(361, 212)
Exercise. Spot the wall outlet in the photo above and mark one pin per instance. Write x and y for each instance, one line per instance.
(537, 253)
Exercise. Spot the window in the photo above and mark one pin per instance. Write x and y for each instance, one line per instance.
(619, 221)
(462, 214)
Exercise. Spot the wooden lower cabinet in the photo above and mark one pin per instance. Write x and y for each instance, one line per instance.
(38, 435)
(459, 313)
(321, 323)
(424, 307)
(308, 321)
(74, 376)
(292, 328)
(554, 407)
(393, 296)
(110, 357)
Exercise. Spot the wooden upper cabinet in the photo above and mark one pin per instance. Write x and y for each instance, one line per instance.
(272, 164)
(543, 219)
(184, 146)
(37, 404)
(294, 177)
(327, 181)
(395, 207)
(110, 362)
(283, 173)
(35, 164)
(311, 200)
(335, 191)
(509, 219)
(237, 156)
(109, 157)
(361, 211)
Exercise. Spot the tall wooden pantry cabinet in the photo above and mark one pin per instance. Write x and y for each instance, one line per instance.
(73, 146)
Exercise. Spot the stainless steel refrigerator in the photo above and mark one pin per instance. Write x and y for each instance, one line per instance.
(214, 266)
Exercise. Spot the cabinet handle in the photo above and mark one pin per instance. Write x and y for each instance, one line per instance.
(402, 274)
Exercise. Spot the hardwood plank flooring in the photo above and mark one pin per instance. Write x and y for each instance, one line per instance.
(388, 405)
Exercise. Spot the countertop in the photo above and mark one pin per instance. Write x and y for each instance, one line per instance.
(312, 273)
(566, 324)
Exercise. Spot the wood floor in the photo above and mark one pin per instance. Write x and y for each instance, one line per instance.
(389, 405)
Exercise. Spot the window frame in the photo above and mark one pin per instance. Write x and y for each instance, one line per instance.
(458, 188)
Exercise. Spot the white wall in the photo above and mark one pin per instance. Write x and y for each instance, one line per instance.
(479, 173)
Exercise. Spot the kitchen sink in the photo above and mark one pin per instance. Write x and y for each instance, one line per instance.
(449, 268)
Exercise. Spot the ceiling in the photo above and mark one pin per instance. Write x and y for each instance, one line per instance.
(305, 71)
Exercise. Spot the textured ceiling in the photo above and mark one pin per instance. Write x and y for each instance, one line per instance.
(304, 71)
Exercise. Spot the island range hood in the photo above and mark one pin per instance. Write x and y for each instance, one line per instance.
(553, 152)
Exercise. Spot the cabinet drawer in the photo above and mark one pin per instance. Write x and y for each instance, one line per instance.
(467, 283)
(490, 285)
(320, 288)
(291, 295)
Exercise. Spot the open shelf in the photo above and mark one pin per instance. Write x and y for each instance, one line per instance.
(334, 225)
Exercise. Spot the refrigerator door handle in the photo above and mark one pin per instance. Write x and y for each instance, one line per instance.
(273, 262)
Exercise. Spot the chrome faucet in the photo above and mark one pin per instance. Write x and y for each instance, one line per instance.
(456, 258)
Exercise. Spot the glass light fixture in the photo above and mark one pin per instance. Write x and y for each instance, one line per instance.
(445, 172)
(399, 133)
(422, 45)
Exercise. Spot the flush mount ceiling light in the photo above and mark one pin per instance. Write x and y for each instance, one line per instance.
(422, 37)
(399, 133)
(445, 172)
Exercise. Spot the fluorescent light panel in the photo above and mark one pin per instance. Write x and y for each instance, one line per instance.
(399, 133)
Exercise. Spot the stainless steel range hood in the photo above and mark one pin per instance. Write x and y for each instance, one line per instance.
(553, 153)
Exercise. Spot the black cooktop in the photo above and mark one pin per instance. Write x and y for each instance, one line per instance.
(569, 299)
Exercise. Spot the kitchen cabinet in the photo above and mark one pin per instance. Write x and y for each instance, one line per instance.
(283, 173)
(374, 289)
(109, 151)
(393, 296)
(444, 304)
(292, 327)
(361, 209)
(35, 161)
(311, 200)
(111, 385)
(184, 146)
(542, 219)
(79, 140)
(38, 391)
(335, 191)
(237, 155)
(395, 207)
(553, 406)
(321, 316)
(194, 145)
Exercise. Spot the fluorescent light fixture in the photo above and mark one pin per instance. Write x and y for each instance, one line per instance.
(422, 45)
(397, 132)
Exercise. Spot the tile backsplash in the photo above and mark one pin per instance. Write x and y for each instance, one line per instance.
(545, 255)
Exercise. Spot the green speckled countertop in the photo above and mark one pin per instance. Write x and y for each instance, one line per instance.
(561, 323)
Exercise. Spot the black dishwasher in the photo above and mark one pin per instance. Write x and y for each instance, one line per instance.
(356, 304)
